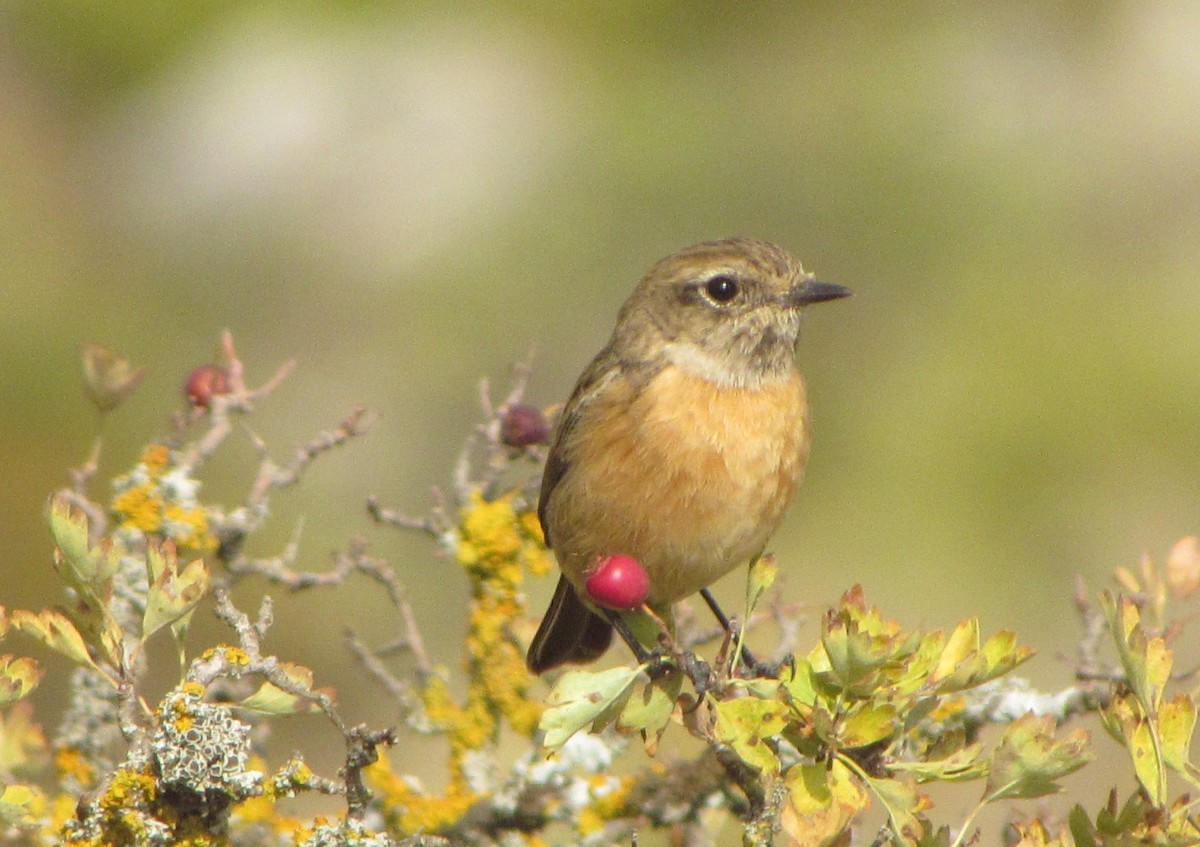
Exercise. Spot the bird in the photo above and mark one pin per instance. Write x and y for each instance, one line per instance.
(683, 441)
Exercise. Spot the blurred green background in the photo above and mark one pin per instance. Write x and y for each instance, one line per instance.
(408, 197)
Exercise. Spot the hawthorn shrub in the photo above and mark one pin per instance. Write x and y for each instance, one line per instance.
(830, 743)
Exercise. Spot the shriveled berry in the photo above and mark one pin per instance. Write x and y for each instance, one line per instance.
(618, 582)
(204, 383)
(523, 426)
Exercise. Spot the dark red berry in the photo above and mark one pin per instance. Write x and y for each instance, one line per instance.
(618, 582)
(204, 383)
(522, 426)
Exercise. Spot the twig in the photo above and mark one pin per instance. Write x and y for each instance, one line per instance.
(271, 475)
(238, 399)
(362, 750)
(216, 664)
(376, 668)
(433, 525)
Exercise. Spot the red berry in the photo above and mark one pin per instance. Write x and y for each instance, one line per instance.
(205, 383)
(618, 582)
(524, 425)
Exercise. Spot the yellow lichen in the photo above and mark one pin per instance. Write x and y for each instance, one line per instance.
(613, 802)
(156, 457)
(197, 539)
(488, 530)
(129, 789)
(140, 508)
(71, 764)
(236, 656)
(410, 811)
(156, 498)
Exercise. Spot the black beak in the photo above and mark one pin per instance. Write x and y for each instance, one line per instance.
(811, 291)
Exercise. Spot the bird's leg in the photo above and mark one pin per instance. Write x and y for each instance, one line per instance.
(639, 651)
(747, 658)
(658, 660)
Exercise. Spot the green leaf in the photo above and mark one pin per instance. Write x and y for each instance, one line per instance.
(1081, 828)
(1146, 661)
(961, 765)
(649, 710)
(904, 805)
(1029, 759)
(868, 724)
(18, 677)
(580, 698)
(761, 577)
(962, 647)
(270, 699)
(854, 656)
(1002, 653)
(964, 663)
(173, 593)
(799, 683)
(1147, 764)
(1126, 719)
(88, 571)
(745, 723)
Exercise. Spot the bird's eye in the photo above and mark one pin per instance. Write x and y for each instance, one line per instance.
(722, 289)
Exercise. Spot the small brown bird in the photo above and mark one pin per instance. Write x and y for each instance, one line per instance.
(684, 439)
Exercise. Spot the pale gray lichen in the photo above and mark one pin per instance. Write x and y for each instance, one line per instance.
(202, 749)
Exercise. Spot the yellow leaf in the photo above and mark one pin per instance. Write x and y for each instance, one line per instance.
(822, 803)
(56, 631)
(745, 723)
(867, 725)
(1029, 759)
(1176, 723)
(18, 677)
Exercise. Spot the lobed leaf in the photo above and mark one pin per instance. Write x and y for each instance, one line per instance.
(649, 710)
(55, 630)
(904, 805)
(1176, 725)
(963, 764)
(823, 802)
(581, 698)
(270, 699)
(1029, 760)
(1145, 661)
(745, 724)
(18, 677)
(173, 593)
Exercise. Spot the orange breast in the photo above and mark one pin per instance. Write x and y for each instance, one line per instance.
(689, 477)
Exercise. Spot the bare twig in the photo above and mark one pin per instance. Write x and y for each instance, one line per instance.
(433, 525)
(215, 664)
(271, 475)
(376, 669)
(362, 750)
